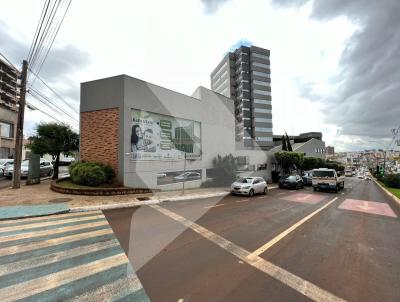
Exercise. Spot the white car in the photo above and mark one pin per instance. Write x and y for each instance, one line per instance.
(187, 176)
(249, 186)
(46, 169)
(4, 162)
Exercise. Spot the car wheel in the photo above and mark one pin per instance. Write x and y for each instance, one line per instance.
(337, 189)
(251, 193)
(315, 189)
(265, 191)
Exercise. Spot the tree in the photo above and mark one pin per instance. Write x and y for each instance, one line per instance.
(289, 160)
(225, 169)
(289, 145)
(54, 139)
(284, 147)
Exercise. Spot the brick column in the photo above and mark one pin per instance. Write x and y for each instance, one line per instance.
(99, 136)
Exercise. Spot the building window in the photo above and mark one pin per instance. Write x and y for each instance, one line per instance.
(259, 110)
(262, 74)
(260, 65)
(261, 83)
(263, 129)
(263, 139)
(263, 92)
(257, 55)
(7, 130)
(263, 120)
(266, 102)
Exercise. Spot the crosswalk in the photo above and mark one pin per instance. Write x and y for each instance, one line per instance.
(69, 257)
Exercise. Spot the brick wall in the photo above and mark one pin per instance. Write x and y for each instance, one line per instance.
(99, 136)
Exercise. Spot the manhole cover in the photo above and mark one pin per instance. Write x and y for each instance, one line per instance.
(143, 198)
(60, 200)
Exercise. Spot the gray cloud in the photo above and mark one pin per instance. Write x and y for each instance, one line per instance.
(211, 6)
(57, 71)
(367, 102)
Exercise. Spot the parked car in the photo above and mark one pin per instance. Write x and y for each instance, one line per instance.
(4, 162)
(291, 182)
(46, 169)
(187, 176)
(249, 186)
(327, 179)
(66, 161)
(307, 178)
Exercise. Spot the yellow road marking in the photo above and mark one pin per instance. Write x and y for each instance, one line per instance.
(300, 285)
(34, 234)
(273, 241)
(41, 284)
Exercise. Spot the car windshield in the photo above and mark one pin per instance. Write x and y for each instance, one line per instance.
(323, 174)
(3, 161)
(25, 163)
(246, 180)
(292, 177)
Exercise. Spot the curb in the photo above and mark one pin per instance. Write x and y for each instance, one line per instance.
(143, 203)
(394, 197)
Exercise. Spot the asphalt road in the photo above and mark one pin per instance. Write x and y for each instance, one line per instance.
(285, 246)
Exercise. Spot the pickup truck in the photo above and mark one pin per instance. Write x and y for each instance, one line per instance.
(327, 179)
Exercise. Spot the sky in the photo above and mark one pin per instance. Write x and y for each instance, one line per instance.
(334, 64)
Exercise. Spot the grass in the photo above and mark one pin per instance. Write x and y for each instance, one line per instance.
(394, 191)
(68, 184)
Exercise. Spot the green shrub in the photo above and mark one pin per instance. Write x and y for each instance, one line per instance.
(392, 180)
(90, 173)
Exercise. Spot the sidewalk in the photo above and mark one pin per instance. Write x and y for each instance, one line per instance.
(42, 195)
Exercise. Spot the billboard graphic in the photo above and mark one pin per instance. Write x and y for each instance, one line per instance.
(165, 178)
(161, 137)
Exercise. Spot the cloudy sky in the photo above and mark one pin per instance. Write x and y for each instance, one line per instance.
(335, 64)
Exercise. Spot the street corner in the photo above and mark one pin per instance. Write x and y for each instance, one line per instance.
(304, 198)
(366, 206)
(73, 257)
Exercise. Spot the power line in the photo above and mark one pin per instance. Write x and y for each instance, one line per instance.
(42, 111)
(53, 37)
(31, 90)
(37, 29)
(36, 37)
(55, 93)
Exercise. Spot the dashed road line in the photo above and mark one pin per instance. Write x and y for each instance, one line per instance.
(279, 237)
(242, 200)
(300, 285)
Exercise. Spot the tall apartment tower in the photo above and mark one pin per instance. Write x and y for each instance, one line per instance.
(245, 76)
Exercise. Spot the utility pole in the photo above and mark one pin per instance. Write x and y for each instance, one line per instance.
(184, 173)
(19, 137)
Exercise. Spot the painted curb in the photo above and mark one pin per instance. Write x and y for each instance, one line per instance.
(394, 197)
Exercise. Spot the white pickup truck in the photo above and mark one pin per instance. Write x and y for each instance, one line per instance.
(327, 179)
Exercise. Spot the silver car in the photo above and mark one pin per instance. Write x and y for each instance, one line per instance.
(46, 169)
(249, 186)
(4, 162)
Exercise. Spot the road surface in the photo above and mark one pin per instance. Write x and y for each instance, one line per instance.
(285, 246)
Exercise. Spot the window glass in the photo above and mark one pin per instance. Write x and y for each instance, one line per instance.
(6, 129)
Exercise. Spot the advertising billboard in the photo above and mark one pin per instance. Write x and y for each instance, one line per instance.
(161, 137)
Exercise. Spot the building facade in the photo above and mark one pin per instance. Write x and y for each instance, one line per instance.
(152, 135)
(8, 109)
(244, 75)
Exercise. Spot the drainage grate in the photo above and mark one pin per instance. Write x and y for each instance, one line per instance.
(143, 198)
